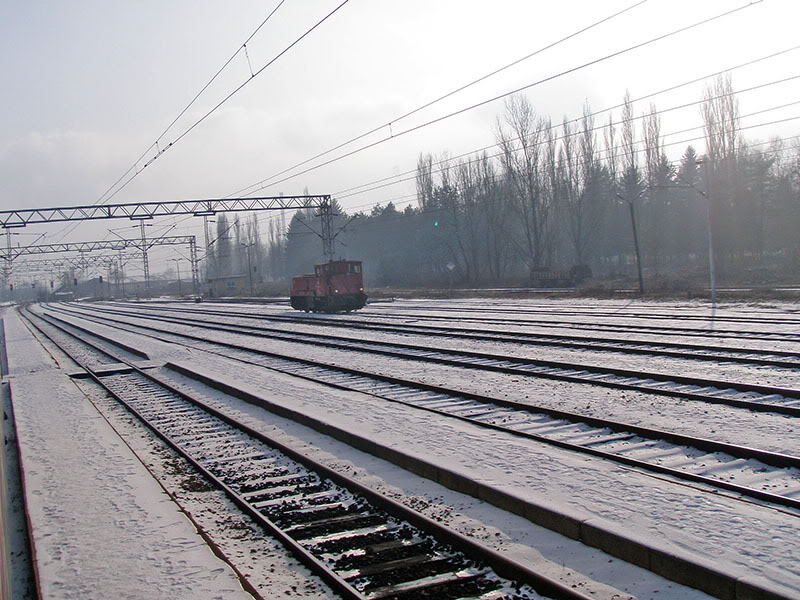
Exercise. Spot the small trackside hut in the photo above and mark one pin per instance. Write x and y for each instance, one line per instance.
(335, 286)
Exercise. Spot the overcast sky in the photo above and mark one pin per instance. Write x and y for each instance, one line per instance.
(88, 85)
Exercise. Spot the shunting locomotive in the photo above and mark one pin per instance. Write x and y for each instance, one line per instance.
(335, 286)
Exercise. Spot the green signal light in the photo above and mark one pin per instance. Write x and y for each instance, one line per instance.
(436, 223)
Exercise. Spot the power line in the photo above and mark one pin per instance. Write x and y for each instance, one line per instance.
(606, 110)
(504, 95)
(408, 198)
(161, 151)
(430, 103)
(192, 101)
(679, 142)
(102, 197)
(339, 196)
(410, 175)
(601, 153)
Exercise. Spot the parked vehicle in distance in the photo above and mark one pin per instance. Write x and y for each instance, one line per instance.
(335, 286)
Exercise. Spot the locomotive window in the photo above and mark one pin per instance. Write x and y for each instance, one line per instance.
(355, 268)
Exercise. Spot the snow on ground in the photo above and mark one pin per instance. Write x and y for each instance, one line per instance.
(550, 322)
(737, 534)
(777, 433)
(724, 371)
(102, 526)
(265, 562)
(549, 552)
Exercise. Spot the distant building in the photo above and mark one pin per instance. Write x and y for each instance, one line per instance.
(232, 285)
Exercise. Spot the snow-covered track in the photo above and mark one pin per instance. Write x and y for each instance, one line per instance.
(699, 352)
(672, 315)
(761, 398)
(766, 476)
(552, 323)
(366, 546)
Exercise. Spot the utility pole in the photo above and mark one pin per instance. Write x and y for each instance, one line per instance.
(327, 229)
(711, 269)
(707, 197)
(193, 264)
(177, 262)
(635, 242)
(121, 276)
(208, 254)
(145, 262)
(249, 267)
(7, 265)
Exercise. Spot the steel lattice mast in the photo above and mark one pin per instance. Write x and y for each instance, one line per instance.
(142, 245)
(143, 211)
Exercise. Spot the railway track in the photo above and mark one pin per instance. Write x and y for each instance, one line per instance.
(550, 323)
(700, 352)
(672, 316)
(741, 395)
(398, 315)
(364, 545)
(766, 476)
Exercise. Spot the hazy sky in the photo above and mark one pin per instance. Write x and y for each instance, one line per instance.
(88, 85)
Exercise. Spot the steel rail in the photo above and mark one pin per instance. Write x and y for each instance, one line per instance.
(617, 345)
(770, 458)
(501, 564)
(616, 314)
(650, 329)
(516, 366)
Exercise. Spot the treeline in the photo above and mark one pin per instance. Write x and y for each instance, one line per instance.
(557, 196)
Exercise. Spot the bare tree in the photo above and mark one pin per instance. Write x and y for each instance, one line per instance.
(523, 147)
(631, 176)
(580, 182)
(720, 110)
(659, 173)
(495, 214)
(612, 150)
(425, 181)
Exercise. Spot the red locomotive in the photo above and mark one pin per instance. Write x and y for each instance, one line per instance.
(335, 286)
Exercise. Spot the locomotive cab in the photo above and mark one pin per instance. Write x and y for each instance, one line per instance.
(335, 286)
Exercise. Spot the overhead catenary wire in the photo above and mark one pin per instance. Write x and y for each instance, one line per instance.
(259, 186)
(412, 197)
(102, 198)
(108, 195)
(611, 108)
(394, 121)
(600, 156)
(410, 175)
(187, 217)
(339, 194)
(617, 53)
(192, 101)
